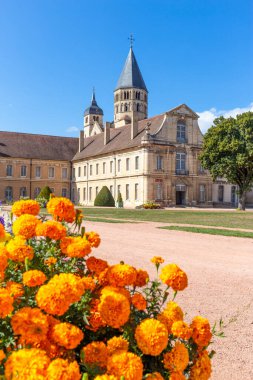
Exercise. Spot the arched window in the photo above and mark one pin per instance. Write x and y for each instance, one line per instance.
(8, 193)
(137, 107)
(126, 107)
(23, 192)
(125, 95)
(145, 97)
(36, 191)
(117, 109)
(116, 97)
(181, 131)
(121, 107)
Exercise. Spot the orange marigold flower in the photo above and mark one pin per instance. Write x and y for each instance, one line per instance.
(174, 277)
(78, 248)
(201, 369)
(3, 258)
(125, 364)
(28, 206)
(157, 260)
(18, 250)
(181, 330)
(103, 277)
(15, 289)
(95, 265)
(51, 229)
(106, 377)
(116, 345)
(50, 261)
(31, 324)
(29, 364)
(201, 333)
(139, 301)
(2, 231)
(171, 314)
(114, 309)
(61, 369)
(151, 336)
(142, 278)
(62, 209)
(65, 242)
(67, 335)
(33, 278)
(95, 353)
(2, 355)
(154, 376)
(177, 376)
(25, 226)
(121, 275)
(177, 359)
(107, 289)
(88, 283)
(59, 293)
(93, 238)
(95, 320)
(6, 303)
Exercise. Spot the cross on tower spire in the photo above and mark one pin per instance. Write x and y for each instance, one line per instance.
(131, 39)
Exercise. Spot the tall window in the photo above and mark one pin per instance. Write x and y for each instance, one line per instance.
(96, 169)
(111, 166)
(79, 171)
(64, 173)
(127, 163)
(137, 163)
(36, 191)
(90, 169)
(119, 165)
(23, 192)
(78, 195)
(74, 173)
(127, 192)
(104, 166)
(84, 171)
(51, 172)
(52, 189)
(159, 163)
(96, 190)
(220, 193)
(111, 189)
(9, 171)
(181, 135)
(136, 191)
(64, 192)
(8, 193)
(37, 172)
(23, 171)
(90, 193)
(84, 193)
(159, 192)
(180, 162)
(233, 195)
(119, 188)
(202, 193)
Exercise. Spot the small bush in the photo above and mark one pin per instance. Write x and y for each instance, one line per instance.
(104, 198)
(119, 200)
(45, 193)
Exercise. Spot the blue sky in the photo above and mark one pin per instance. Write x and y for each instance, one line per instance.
(52, 52)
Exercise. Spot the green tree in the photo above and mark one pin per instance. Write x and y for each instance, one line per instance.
(45, 193)
(228, 152)
(104, 198)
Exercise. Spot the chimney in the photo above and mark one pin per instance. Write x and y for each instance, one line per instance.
(134, 127)
(107, 133)
(81, 141)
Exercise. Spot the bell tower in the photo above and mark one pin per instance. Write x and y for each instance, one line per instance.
(93, 117)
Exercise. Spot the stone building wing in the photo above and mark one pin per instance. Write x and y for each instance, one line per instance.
(43, 147)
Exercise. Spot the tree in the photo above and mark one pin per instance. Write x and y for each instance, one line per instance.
(104, 198)
(228, 152)
(45, 193)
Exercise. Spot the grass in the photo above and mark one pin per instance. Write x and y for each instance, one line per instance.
(210, 231)
(229, 219)
(103, 220)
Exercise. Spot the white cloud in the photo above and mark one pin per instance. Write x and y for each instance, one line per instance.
(206, 118)
(72, 129)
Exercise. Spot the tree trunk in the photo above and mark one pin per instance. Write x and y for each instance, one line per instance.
(242, 199)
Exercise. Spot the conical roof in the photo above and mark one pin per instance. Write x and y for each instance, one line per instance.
(93, 109)
(131, 74)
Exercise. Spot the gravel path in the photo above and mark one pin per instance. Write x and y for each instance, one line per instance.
(220, 273)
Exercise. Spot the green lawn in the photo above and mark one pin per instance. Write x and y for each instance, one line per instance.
(232, 219)
(210, 231)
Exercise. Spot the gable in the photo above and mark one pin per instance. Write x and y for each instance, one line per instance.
(183, 110)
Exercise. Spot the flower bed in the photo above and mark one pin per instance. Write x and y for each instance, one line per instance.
(66, 314)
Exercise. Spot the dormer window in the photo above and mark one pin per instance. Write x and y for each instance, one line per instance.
(181, 131)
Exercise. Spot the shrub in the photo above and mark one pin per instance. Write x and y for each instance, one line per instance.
(104, 198)
(119, 200)
(151, 205)
(45, 193)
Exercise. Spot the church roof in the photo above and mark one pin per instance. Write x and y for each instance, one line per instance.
(43, 147)
(93, 109)
(131, 74)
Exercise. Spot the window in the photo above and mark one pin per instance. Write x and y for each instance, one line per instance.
(74, 173)
(111, 189)
(96, 190)
(127, 163)
(23, 171)
(84, 171)
(52, 189)
(119, 165)
(8, 193)
(119, 189)
(36, 192)
(159, 163)
(73, 194)
(64, 173)
(137, 163)
(137, 107)
(127, 192)
(104, 166)
(9, 170)
(90, 193)
(202, 193)
(136, 191)
(37, 172)
(78, 194)
(220, 193)
(181, 136)
(23, 192)
(64, 192)
(111, 166)
(233, 195)
(79, 171)
(51, 172)
(84, 193)
(90, 169)
(96, 169)
(159, 191)
(201, 169)
(180, 163)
